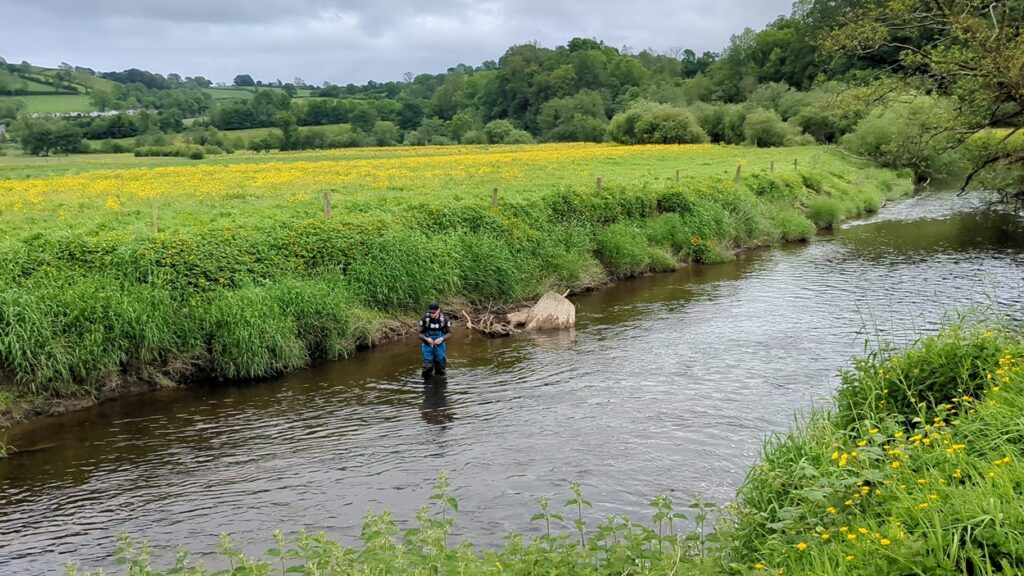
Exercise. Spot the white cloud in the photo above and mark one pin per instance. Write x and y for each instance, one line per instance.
(350, 41)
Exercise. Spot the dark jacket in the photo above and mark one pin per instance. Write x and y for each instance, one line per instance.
(430, 326)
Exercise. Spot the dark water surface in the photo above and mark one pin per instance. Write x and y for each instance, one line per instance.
(668, 385)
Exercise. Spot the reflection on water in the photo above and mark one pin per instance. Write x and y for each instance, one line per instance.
(667, 385)
(435, 402)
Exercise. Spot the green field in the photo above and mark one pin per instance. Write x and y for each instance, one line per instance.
(250, 134)
(54, 103)
(176, 268)
(227, 93)
(230, 92)
(34, 86)
(84, 82)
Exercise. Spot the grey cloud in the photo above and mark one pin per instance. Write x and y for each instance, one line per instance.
(350, 41)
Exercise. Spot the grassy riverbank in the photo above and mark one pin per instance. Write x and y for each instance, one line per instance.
(229, 268)
(916, 470)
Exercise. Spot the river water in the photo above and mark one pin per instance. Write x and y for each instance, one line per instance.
(668, 385)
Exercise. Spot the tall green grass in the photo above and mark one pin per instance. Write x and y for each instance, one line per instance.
(917, 470)
(263, 293)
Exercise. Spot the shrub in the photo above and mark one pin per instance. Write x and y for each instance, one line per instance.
(497, 131)
(667, 230)
(328, 318)
(490, 272)
(403, 269)
(518, 137)
(793, 225)
(909, 134)
(250, 336)
(474, 137)
(386, 134)
(115, 147)
(190, 151)
(651, 123)
(622, 249)
(765, 129)
(825, 212)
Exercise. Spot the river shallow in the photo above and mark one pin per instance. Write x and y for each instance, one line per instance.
(668, 385)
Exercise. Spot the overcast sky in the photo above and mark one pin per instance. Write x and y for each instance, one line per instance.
(346, 41)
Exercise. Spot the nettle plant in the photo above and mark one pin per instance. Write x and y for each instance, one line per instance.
(616, 545)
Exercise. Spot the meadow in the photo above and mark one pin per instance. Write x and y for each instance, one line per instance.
(115, 269)
(54, 103)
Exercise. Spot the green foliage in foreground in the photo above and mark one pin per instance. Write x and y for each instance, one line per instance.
(236, 299)
(918, 470)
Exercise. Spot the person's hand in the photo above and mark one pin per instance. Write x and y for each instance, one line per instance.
(438, 342)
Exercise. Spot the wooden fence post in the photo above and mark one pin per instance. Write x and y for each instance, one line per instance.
(677, 175)
(328, 208)
(796, 164)
(598, 183)
(772, 167)
(739, 172)
(494, 198)
(156, 221)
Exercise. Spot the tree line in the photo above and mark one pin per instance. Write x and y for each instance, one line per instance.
(904, 82)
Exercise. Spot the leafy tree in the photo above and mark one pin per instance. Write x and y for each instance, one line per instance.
(234, 115)
(386, 134)
(518, 137)
(171, 121)
(136, 76)
(102, 99)
(10, 109)
(908, 134)
(289, 130)
(410, 115)
(40, 137)
(766, 129)
(61, 80)
(628, 72)
(653, 123)
(497, 131)
(722, 122)
(700, 88)
(198, 82)
(574, 118)
(970, 50)
(446, 101)
(459, 125)
(244, 80)
(364, 118)
(591, 69)
(474, 137)
(115, 126)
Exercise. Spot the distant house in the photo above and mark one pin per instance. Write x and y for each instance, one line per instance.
(94, 114)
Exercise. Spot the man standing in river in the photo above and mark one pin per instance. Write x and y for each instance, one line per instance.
(435, 328)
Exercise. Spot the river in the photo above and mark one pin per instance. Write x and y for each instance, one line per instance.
(668, 385)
